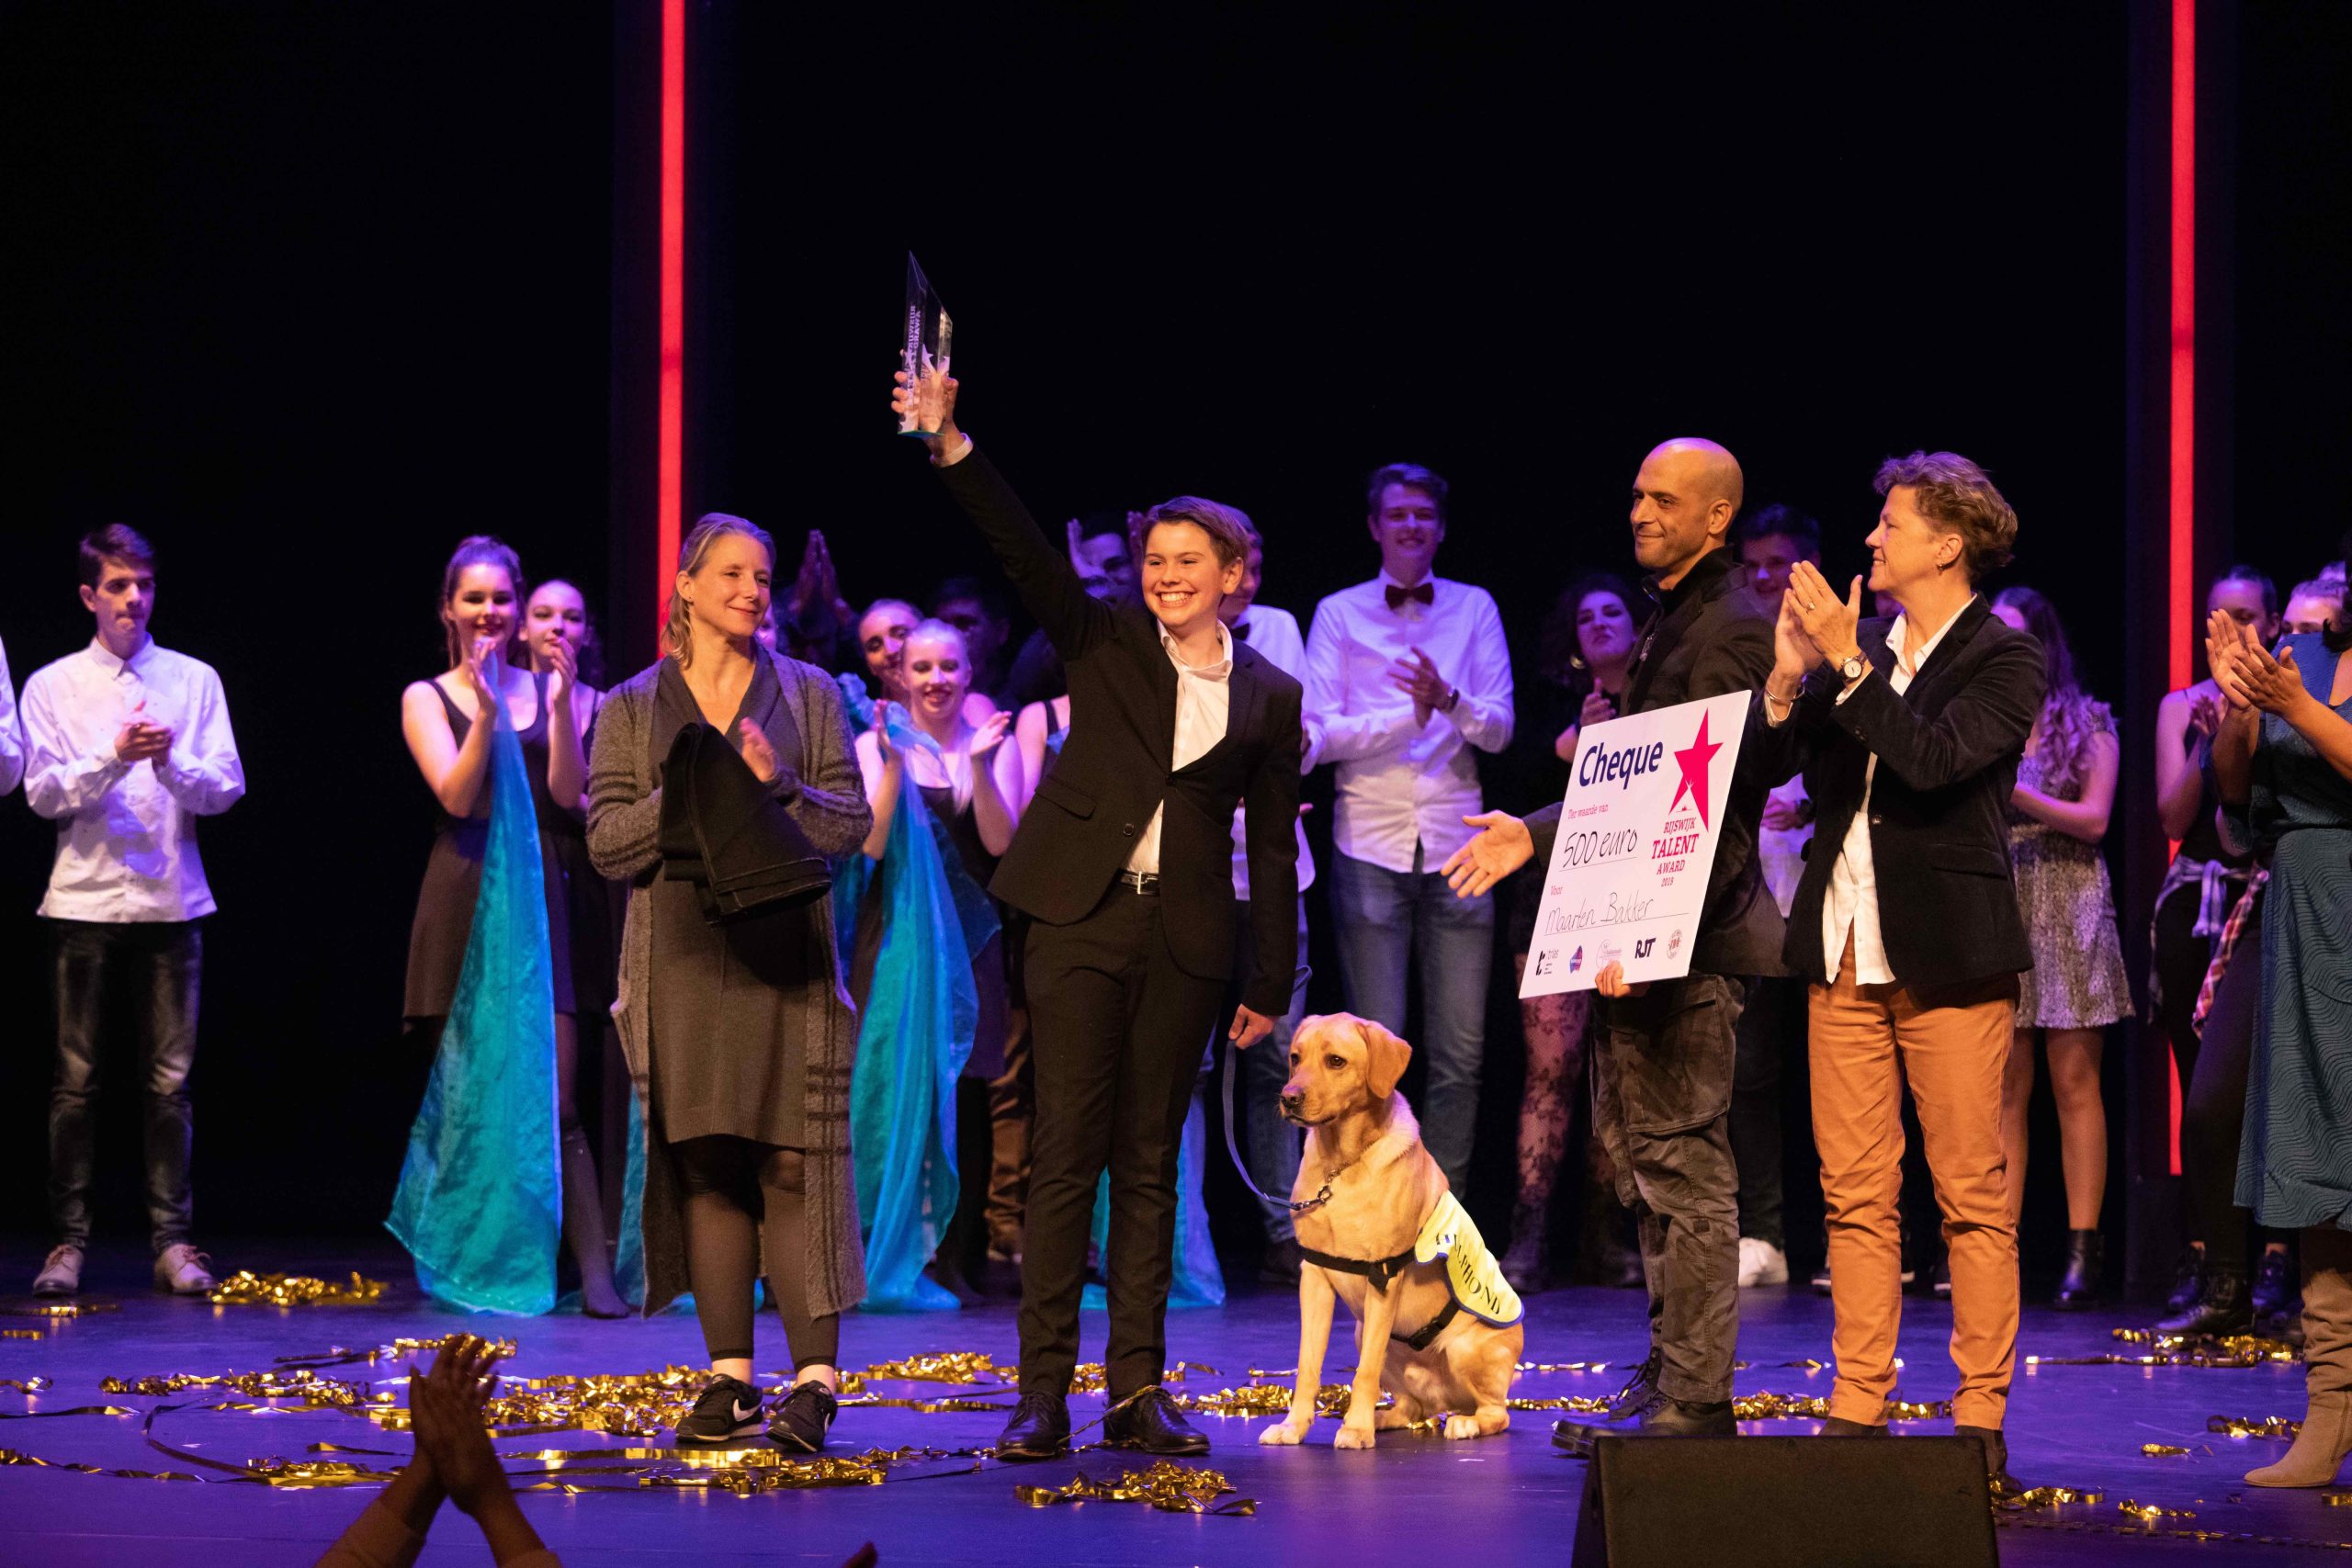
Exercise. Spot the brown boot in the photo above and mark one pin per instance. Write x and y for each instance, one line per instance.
(2319, 1448)
(2326, 1435)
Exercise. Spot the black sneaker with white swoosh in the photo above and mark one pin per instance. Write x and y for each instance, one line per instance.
(728, 1413)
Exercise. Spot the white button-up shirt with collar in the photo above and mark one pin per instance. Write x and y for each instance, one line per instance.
(125, 831)
(1852, 900)
(1402, 783)
(1274, 633)
(1203, 704)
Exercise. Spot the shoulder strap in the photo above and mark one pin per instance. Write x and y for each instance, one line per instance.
(1379, 1272)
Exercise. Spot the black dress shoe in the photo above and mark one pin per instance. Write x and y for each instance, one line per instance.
(2222, 1307)
(1039, 1429)
(2080, 1288)
(1997, 1459)
(1663, 1417)
(1150, 1421)
(1839, 1427)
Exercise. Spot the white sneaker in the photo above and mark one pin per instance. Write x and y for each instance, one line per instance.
(61, 1275)
(1761, 1263)
(180, 1269)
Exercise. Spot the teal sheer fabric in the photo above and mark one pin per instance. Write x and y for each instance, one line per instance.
(914, 1033)
(1197, 1280)
(480, 1201)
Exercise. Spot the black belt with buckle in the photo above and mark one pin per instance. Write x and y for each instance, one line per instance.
(1140, 881)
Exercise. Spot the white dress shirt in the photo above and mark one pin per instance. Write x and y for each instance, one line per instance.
(1852, 902)
(1274, 633)
(125, 831)
(1204, 703)
(12, 735)
(1402, 783)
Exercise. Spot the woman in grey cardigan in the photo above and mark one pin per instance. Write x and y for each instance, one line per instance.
(740, 1038)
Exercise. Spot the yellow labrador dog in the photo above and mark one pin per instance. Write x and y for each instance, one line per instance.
(1435, 1324)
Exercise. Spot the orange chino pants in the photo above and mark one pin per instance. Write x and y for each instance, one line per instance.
(1866, 1041)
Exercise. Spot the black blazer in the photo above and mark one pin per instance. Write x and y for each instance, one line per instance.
(1709, 635)
(1115, 769)
(1948, 750)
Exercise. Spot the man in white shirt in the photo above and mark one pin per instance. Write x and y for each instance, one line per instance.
(127, 744)
(1270, 1145)
(1406, 674)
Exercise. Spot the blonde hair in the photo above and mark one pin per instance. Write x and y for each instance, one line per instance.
(678, 629)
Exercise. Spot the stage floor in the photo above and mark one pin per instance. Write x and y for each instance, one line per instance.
(1510, 1499)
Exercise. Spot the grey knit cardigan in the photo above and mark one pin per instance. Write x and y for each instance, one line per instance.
(827, 797)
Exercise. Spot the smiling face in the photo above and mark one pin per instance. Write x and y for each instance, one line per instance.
(1908, 549)
(1684, 498)
(728, 591)
(1340, 1064)
(123, 600)
(1604, 628)
(1183, 581)
(882, 635)
(482, 605)
(937, 671)
(556, 613)
(1408, 530)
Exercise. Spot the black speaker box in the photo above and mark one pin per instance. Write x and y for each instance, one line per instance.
(1786, 1503)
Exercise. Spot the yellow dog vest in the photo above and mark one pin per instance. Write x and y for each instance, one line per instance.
(1471, 1271)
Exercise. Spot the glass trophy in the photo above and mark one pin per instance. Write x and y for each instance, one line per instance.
(928, 336)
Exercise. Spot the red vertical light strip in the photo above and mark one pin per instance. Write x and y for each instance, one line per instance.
(2183, 495)
(671, 429)
(2181, 589)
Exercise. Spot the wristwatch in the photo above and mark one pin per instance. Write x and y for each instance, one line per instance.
(1853, 669)
(1453, 700)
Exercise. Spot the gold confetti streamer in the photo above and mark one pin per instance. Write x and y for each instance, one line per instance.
(1268, 1399)
(2252, 1426)
(25, 1385)
(2338, 1499)
(20, 1333)
(245, 1288)
(2151, 1514)
(317, 1392)
(58, 1309)
(2050, 1497)
(11, 1456)
(1168, 1487)
(2162, 1451)
(2226, 1352)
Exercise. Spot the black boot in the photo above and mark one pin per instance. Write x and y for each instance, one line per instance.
(2224, 1307)
(2274, 1283)
(2188, 1279)
(2079, 1288)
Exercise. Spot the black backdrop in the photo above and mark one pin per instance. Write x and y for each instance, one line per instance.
(306, 293)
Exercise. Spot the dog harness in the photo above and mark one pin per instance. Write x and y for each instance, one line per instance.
(1474, 1281)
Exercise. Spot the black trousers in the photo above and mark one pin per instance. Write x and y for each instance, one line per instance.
(2212, 1112)
(156, 966)
(1116, 1030)
(1756, 1104)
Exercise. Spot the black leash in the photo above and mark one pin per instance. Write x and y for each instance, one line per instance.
(1232, 1147)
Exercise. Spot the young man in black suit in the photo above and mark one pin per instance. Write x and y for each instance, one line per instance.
(1905, 922)
(1124, 861)
(1664, 1058)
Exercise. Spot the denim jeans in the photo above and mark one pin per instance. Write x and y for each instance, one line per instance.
(1269, 1144)
(1382, 916)
(155, 966)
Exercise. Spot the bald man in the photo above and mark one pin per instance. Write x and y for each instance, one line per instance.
(1665, 1052)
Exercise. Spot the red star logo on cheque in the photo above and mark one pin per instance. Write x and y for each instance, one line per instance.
(1695, 760)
